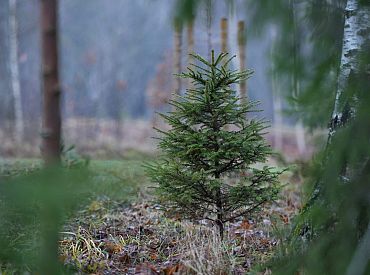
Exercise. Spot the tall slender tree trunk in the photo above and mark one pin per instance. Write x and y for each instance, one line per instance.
(224, 35)
(242, 59)
(299, 129)
(355, 33)
(177, 57)
(190, 39)
(14, 72)
(51, 132)
(277, 108)
(209, 11)
(224, 45)
(278, 119)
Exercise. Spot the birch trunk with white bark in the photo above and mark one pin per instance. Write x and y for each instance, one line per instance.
(356, 32)
(14, 72)
(299, 128)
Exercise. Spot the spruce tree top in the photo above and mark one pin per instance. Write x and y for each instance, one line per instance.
(210, 150)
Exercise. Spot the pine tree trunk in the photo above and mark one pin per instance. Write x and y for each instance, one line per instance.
(241, 44)
(190, 39)
(220, 227)
(224, 46)
(209, 10)
(224, 34)
(14, 72)
(220, 214)
(177, 58)
(51, 132)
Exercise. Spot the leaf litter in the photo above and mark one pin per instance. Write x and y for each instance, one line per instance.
(113, 238)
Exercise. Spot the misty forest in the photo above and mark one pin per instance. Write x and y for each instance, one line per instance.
(185, 137)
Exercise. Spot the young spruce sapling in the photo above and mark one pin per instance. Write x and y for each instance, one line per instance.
(209, 154)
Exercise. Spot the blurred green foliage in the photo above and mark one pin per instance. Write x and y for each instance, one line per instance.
(306, 52)
(332, 234)
(36, 203)
(33, 208)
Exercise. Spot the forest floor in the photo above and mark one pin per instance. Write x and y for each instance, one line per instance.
(122, 231)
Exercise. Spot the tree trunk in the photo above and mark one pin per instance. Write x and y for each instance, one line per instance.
(241, 44)
(299, 129)
(277, 107)
(356, 32)
(356, 25)
(300, 137)
(190, 39)
(177, 57)
(220, 211)
(209, 10)
(220, 226)
(224, 46)
(14, 72)
(224, 34)
(51, 132)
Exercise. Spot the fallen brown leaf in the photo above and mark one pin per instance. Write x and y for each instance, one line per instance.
(112, 248)
(171, 270)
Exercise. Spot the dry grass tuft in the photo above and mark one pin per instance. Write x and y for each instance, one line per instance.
(204, 252)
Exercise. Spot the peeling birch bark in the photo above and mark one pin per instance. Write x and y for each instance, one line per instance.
(356, 32)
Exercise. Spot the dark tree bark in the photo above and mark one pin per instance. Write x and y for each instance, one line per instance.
(190, 40)
(209, 11)
(51, 131)
(224, 35)
(242, 57)
(177, 56)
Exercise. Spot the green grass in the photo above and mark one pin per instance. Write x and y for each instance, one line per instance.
(113, 179)
(106, 183)
(118, 180)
